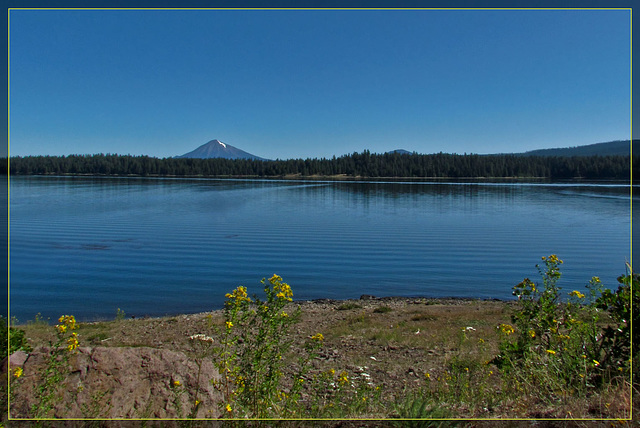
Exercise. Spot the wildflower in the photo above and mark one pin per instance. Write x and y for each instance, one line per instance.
(344, 378)
(61, 328)
(596, 363)
(551, 351)
(18, 372)
(532, 334)
(69, 321)
(228, 407)
(427, 376)
(284, 291)
(239, 295)
(481, 340)
(284, 315)
(72, 342)
(229, 324)
(202, 338)
(506, 329)
(275, 278)
(332, 372)
(466, 369)
(197, 402)
(576, 293)
(176, 383)
(317, 337)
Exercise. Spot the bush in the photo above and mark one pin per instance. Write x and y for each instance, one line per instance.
(12, 340)
(582, 342)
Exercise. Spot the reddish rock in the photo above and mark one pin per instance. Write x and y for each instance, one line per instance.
(121, 383)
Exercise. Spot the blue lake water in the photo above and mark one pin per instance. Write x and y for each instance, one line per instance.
(87, 246)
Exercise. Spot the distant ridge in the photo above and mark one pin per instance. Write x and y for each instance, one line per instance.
(218, 149)
(400, 152)
(612, 148)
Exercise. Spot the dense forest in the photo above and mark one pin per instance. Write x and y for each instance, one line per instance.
(365, 164)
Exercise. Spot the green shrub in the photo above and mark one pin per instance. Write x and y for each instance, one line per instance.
(251, 355)
(581, 342)
(12, 339)
(348, 306)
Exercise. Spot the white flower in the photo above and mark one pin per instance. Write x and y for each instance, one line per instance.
(202, 338)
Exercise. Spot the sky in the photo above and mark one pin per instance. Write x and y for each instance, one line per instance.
(316, 83)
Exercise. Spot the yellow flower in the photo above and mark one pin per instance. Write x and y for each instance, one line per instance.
(61, 328)
(229, 324)
(577, 294)
(506, 329)
(69, 321)
(332, 372)
(275, 278)
(18, 372)
(317, 337)
(532, 334)
(72, 342)
(284, 315)
(551, 351)
(344, 378)
(427, 375)
(197, 402)
(239, 295)
(176, 383)
(228, 407)
(596, 363)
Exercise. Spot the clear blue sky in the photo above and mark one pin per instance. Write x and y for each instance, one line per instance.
(289, 84)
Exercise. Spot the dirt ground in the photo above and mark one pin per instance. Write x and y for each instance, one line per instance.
(400, 343)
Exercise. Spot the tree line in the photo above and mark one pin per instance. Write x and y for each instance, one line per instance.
(365, 164)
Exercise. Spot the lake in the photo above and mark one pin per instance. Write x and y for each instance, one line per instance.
(151, 246)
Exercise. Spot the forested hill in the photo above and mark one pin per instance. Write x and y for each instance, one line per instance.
(603, 149)
(365, 164)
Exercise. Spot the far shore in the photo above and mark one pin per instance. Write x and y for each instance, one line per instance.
(337, 177)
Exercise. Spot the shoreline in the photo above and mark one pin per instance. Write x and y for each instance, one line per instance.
(336, 178)
(364, 302)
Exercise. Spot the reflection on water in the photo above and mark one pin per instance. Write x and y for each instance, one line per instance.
(87, 245)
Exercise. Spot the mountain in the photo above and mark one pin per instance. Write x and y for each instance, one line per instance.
(400, 152)
(218, 149)
(602, 149)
